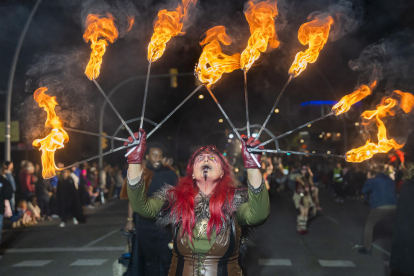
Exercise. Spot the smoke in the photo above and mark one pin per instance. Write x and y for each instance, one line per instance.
(63, 75)
(122, 10)
(388, 59)
(347, 19)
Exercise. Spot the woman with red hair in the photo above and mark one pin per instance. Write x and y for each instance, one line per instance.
(207, 214)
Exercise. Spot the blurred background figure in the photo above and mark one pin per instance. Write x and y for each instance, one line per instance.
(380, 190)
(9, 174)
(6, 193)
(27, 180)
(68, 200)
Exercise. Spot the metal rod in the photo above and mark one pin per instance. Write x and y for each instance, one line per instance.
(97, 156)
(246, 100)
(274, 106)
(94, 134)
(129, 121)
(224, 113)
(145, 96)
(166, 118)
(113, 107)
(231, 124)
(293, 130)
(297, 152)
(172, 112)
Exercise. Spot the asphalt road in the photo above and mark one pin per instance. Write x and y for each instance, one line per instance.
(93, 248)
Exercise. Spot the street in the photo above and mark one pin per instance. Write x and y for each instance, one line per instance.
(92, 248)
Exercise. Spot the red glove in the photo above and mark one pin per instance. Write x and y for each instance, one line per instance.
(137, 155)
(248, 161)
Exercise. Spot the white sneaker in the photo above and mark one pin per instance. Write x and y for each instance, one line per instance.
(62, 224)
(75, 221)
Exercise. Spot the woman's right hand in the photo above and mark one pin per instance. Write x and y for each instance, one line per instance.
(137, 155)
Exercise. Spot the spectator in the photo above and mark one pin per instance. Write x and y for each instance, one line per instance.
(23, 216)
(151, 241)
(402, 250)
(68, 200)
(119, 180)
(358, 181)
(43, 193)
(33, 207)
(27, 181)
(8, 171)
(294, 174)
(110, 181)
(6, 193)
(383, 202)
(75, 177)
(83, 188)
(338, 182)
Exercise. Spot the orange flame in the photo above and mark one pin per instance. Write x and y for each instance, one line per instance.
(262, 28)
(406, 99)
(347, 101)
(315, 33)
(57, 136)
(213, 63)
(131, 21)
(384, 145)
(99, 31)
(168, 24)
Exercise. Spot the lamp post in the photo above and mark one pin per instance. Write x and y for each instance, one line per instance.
(7, 154)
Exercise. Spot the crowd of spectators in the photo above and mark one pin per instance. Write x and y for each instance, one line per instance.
(66, 195)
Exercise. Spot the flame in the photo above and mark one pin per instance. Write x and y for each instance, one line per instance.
(99, 31)
(167, 25)
(262, 28)
(57, 136)
(347, 101)
(315, 33)
(213, 63)
(406, 102)
(131, 21)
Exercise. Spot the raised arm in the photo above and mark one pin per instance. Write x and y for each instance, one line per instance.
(256, 210)
(145, 207)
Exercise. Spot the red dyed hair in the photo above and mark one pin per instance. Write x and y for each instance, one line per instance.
(182, 196)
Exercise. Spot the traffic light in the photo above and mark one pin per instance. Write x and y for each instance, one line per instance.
(173, 77)
(104, 141)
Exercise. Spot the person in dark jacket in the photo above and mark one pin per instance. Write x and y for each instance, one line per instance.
(6, 193)
(402, 250)
(43, 190)
(151, 243)
(68, 200)
(383, 202)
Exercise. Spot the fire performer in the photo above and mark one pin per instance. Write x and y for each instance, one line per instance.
(207, 213)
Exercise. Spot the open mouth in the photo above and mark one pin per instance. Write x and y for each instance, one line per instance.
(206, 168)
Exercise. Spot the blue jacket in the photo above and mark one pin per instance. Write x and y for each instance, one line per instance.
(381, 191)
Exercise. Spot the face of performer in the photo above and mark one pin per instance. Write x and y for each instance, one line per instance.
(208, 164)
(155, 156)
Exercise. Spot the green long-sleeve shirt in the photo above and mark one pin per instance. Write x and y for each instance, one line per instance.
(252, 212)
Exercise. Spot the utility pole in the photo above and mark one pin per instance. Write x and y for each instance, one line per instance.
(7, 154)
